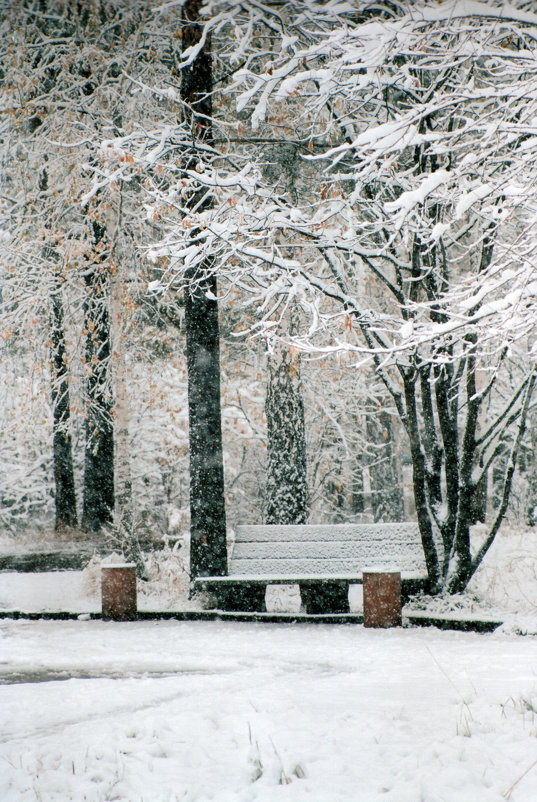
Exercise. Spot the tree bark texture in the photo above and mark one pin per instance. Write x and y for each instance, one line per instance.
(64, 482)
(419, 481)
(98, 501)
(208, 554)
(287, 486)
(208, 551)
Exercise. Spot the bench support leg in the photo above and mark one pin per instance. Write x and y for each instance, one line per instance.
(328, 597)
(242, 598)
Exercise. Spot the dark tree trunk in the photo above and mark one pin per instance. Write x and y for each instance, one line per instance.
(467, 486)
(358, 485)
(98, 501)
(65, 497)
(287, 487)
(208, 552)
(419, 481)
(208, 555)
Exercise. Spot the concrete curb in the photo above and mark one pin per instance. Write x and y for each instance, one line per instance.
(410, 620)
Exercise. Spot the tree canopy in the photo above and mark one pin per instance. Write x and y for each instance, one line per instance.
(371, 165)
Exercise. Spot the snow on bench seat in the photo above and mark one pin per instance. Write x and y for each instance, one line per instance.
(322, 559)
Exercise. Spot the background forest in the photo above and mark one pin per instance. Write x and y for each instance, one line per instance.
(350, 184)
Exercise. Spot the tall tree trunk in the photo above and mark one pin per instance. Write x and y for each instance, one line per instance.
(65, 497)
(287, 487)
(208, 552)
(419, 481)
(98, 501)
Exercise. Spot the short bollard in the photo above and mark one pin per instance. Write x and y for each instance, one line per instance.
(118, 592)
(382, 598)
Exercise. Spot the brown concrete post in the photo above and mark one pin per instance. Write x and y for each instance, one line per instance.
(382, 598)
(118, 592)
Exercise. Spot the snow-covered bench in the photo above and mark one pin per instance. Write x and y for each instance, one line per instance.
(322, 559)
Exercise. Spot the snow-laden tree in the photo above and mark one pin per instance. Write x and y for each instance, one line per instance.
(63, 90)
(287, 489)
(423, 118)
(79, 78)
(194, 135)
(415, 248)
(226, 163)
(208, 550)
(412, 131)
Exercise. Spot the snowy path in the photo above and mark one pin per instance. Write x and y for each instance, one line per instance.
(260, 713)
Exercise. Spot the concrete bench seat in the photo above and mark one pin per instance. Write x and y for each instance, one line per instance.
(322, 559)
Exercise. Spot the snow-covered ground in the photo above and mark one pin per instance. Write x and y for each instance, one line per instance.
(242, 712)
(236, 712)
